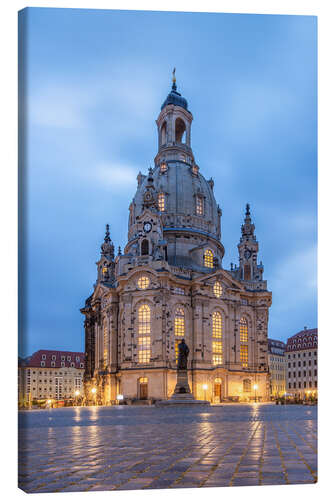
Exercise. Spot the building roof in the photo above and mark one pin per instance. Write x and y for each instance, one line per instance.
(276, 346)
(305, 339)
(53, 359)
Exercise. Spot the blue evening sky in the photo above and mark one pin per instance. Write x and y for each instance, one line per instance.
(95, 82)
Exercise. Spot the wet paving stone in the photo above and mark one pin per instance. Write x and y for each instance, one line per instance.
(129, 448)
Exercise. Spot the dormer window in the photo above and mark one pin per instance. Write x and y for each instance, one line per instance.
(163, 167)
(195, 169)
(199, 205)
(43, 356)
(208, 258)
(161, 202)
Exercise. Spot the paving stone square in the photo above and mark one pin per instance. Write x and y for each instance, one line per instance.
(126, 448)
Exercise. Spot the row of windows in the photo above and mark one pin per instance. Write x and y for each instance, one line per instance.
(42, 364)
(304, 373)
(63, 358)
(304, 363)
(143, 281)
(144, 331)
(199, 206)
(309, 385)
(304, 354)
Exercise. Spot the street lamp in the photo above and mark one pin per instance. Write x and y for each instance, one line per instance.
(77, 394)
(205, 387)
(255, 387)
(93, 391)
(120, 397)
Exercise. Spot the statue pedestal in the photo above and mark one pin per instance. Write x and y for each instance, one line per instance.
(182, 394)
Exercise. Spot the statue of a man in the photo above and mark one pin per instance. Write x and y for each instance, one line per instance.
(183, 351)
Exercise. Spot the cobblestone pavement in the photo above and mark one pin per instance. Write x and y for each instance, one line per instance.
(123, 448)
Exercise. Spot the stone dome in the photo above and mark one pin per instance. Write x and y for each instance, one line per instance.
(182, 188)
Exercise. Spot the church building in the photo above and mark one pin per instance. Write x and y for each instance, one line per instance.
(170, 284)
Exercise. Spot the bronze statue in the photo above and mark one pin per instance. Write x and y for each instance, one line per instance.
(183, 352)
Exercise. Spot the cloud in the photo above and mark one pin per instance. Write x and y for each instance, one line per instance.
(294, 282)
(114, 176)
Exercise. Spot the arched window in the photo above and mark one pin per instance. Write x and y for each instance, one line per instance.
(105, 344)
(163, 134)
(179, 129)
(244, 337)
(163, 167)
(145, 247)
(144, 328)
(208, 258)
(161, 202)
(217, 330)
(217, 289)
(179, 328)
(200, 205)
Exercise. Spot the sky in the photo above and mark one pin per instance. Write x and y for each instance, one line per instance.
(93, 83)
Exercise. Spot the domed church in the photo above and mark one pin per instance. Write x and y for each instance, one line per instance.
(169, 284)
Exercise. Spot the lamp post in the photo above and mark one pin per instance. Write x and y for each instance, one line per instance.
(93, 391)
(205, 387)
(77, 394)
(255, 387)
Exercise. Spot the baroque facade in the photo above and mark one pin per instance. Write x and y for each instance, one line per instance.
(170, 284)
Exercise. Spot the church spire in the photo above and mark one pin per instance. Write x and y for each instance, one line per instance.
(107, 248)
(106, 265)
(174, 86)
(248, 269)
(248, 228)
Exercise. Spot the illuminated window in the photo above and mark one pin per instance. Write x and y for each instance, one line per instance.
(243, 330)
(143, 282)
(105, 339)
(144, 349)
(217, 325)
(161, 202)
(179, 328)
(163, 167)
(217, 334)
(244, 354)
(144, 320)
(217, 289)
(208, 258)
(200, 205)
(144, 333)
(244, 337)
(179, 322)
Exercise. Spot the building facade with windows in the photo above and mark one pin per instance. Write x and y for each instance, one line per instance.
(277, 367)
(302, 363)
(170, 284)
(56, 375)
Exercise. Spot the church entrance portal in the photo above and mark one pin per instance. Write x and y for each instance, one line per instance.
(143, 388)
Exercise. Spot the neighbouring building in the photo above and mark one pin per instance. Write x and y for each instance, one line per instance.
(301, 359)
(277, 367)
(170, 284)
(53, 375)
